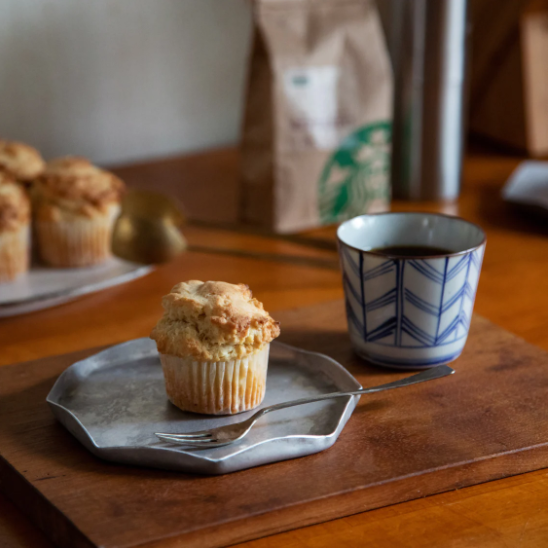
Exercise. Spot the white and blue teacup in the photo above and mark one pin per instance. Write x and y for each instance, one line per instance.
(413, 311)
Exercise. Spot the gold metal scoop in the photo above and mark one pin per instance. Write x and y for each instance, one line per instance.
(148, 229)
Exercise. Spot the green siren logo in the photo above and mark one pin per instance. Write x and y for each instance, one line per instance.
(356, 176)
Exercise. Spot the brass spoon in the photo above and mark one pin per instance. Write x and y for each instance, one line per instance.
(148, 229)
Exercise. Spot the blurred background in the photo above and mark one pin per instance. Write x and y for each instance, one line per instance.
(121, 80)
(126, 80)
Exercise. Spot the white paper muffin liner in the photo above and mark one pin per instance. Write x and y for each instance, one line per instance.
(216, 388)
(76, 242)
(14, 252)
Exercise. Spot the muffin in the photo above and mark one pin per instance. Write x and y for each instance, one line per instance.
(75, 206)
(14, 229)
(21, 161)
(214, 340)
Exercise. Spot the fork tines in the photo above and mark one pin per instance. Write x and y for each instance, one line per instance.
(196, 438)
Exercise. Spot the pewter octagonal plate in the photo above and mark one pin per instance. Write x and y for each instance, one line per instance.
(113, 403)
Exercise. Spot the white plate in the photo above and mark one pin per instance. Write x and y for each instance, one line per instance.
(44, 287)
(528, 184)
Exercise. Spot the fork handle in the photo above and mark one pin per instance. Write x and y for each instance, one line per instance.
(428, 375)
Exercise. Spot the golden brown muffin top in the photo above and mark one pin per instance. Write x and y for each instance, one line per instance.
(14, 204)
(213, 321)
(20, 160)
(75, 185)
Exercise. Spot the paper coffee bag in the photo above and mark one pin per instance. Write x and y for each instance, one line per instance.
(316, 138)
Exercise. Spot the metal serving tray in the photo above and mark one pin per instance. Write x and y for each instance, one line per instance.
(114, 402)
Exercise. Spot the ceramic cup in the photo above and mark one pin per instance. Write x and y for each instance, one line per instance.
(409, 312)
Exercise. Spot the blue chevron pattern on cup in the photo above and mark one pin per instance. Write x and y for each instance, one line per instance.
(410, 312)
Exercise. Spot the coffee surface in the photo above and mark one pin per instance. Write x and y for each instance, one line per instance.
(412, 251)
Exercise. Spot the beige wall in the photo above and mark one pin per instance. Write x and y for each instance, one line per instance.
(119, 80)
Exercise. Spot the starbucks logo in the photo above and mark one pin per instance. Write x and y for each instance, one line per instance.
(356, 177)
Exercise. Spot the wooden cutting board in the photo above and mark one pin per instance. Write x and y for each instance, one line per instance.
(488, 421)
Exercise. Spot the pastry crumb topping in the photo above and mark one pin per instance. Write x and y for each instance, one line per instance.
(213, 321)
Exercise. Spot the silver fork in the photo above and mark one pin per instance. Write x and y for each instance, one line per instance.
(225, 435)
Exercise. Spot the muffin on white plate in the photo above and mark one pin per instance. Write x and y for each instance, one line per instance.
(75, 205)
(214, 340)
(23, 162)
(14, 229)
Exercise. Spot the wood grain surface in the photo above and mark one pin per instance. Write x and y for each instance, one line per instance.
(508, 77)
(398, 446)
(509, 512)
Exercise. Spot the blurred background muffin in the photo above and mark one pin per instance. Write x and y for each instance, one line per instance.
(14, 228)
(21, 161)
(75, 205)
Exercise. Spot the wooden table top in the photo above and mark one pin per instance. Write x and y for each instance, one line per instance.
(284, 273)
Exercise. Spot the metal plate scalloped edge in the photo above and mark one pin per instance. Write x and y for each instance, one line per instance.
(114, 401)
